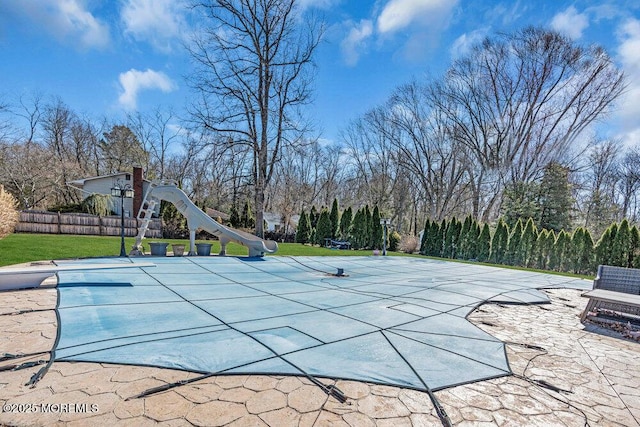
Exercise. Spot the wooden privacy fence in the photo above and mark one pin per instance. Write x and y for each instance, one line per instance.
(78, 223)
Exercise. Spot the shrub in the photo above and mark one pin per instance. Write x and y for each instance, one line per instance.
(408, 244)
(174, 224)
(98, 204)
(8, 212)
(394, 240)
(376, 229)
(303, 232)
(323, 230)
(484, 244)
(500, 243)
(345, 224)
(334, 218)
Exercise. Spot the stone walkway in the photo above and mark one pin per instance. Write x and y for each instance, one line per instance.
(565, 374)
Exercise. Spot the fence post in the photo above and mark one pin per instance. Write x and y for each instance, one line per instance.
(59, 221)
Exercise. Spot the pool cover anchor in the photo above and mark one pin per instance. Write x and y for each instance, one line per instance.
(330, 390)
(10, 356)
(25, 365)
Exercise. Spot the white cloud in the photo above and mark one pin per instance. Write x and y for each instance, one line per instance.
(317, 4)
(354, 43)
(629, 55)
(507, 14)
(65, 19)
(463, 44)
(158, 22)
(134, 81)
(399, 14)
(570, 22)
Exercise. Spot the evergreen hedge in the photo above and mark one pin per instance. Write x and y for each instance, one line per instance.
(523, 245)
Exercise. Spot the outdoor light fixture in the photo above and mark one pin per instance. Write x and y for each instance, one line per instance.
(125, 192)
(385, 222)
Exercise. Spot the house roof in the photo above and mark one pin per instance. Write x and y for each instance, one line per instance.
(214, 213)
(276, 219)
(272, 218)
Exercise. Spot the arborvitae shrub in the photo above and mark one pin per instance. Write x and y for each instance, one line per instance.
(345, 224)
(472, 243)
(464, 238)
(234, 217)
(450, 239)
(246, 219)
(621, 245)
(334, 217)
(587, 255)
(376, 229)
(313, 217)
(634, 250)
(604, 247)
(529, 237)
(358, 230)
(575, 249)
(514, 249)
(484, 244)
(541, 253)
(323, 230)
(303, 231)
(394, 240)
(562, 247)
(499, 243)
(426, 233)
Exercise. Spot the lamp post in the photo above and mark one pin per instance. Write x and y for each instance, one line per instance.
(385, 223)
(122, 192)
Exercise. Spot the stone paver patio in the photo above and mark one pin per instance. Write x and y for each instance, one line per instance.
(566, 374)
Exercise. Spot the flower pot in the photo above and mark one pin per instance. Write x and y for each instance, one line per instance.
(158, 248)
(203, 249)
(178, 250)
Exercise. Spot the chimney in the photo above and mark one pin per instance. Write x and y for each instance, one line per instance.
(138, 190)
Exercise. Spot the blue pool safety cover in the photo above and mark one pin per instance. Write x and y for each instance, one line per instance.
(389, 320)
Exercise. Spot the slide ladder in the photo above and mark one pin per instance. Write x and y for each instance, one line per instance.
(145, 216)
(196, 219)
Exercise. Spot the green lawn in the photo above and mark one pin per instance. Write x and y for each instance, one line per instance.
(19, 248)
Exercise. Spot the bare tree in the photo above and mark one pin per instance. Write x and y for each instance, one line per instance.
(253, 59)
(369, 145)
(520, 101)
(629, 182)
(29, 172)
(57, 121)
(426, 150)
(155, 133)
(602, 177)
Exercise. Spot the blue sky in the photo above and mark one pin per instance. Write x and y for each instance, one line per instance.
(109, 57)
